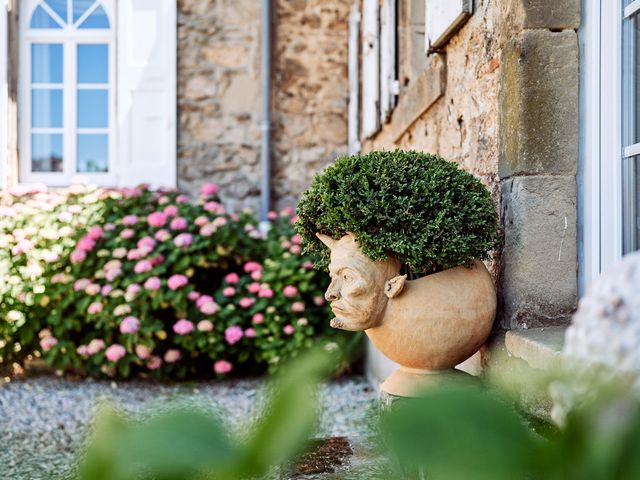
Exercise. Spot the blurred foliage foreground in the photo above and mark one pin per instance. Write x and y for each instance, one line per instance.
(463, 430)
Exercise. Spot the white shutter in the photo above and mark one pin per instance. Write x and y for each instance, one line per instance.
(370, 68)
(354, 80)
(4, 93)
(147, 92)
(443, 18)
(388, 83)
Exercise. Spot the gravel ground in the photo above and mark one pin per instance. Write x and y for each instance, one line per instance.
(44, 420)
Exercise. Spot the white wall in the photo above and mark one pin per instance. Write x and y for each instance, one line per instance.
(4, 92)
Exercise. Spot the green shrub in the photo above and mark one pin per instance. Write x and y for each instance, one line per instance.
(135, 281)
(418, 207)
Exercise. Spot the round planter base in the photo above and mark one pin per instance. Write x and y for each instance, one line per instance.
(410, 382)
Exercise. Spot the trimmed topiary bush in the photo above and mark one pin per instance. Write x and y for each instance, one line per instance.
(415, 206)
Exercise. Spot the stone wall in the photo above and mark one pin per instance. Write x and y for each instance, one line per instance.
(219, 98)
(502, 101)
(219, 106)
(310, 92)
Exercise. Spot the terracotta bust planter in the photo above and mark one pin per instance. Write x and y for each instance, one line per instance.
(428, 326)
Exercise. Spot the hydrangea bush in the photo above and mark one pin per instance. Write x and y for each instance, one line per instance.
(134, 281)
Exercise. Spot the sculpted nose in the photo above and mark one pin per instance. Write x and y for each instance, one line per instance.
(332, 294)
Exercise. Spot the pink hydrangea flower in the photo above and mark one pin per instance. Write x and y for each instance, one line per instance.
(208, 189)
(134, 254)
(272, 215)
(265, 292)
(233, 334)
(307, 265)
(130, 220)
(50, 257)
(92, 289)
(288, 329)
(85, 244)
(296, 249)
(229, 291)
(48, 342)
(177, 281)
(171, 210)
(294, 219)
(119, 252)
(154, 363)
(257, 318)
(162, 235)
(202, 299)
(232, 278)
(147, 242)
(77, 256)
(214, 207)
(106, 290)
(183, 327)
(252, 267)
(157, 219)
(207, 230)
(209, 308)
(178, 223)
(296, 239)
(157, 260)
(290, 291)
(193, 296)
(219, 222)
(257, 275)
(127, 233)
(205, 326)
(142, 266)
(183, 239)
(95, 307)
(286, 244)
(246, 302)
(95, 346)
(133, 289)
(297, 307)
(115, 352)
(222, 366)
(182, 199)
(172, 355)
(302, 322)
(143, 352)
(253, 287)
(95, 232)
(250, 333)
(287, 211)
(319, 300)
(152, 283)
(129, 325)
(83, 351)
(109, 227)
(201, 221)
(23, 246)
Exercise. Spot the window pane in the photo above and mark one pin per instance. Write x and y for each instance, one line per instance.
(631, 204)
(93, 63)
(93, 108)
(46, 108)
(60, 7)
(93, 153)
(97, 19)
(46, 63)
(41, 19)
(46, 152)
(631, 81)
(79, 7)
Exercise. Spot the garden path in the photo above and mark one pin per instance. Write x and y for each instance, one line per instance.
(43, 420)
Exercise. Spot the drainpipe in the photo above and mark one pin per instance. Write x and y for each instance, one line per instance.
(265, 187)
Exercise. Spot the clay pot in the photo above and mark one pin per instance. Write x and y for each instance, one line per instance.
(427, 326)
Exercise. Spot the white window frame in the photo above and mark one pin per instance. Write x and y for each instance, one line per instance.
(4, 92)
(601, 170)
(443, 18)
(70, 37)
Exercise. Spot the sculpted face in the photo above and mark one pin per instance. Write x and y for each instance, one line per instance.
(360, 287)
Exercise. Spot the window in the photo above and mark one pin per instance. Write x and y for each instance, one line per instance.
(631, 126)
(610, 162)
(67, 97)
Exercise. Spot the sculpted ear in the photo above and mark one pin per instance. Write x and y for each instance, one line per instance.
(327, 240)
(394, 286)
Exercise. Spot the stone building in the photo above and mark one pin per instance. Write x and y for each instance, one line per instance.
(538, 98)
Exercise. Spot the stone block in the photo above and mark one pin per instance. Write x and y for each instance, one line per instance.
(550, 14)
(539, 107)
(538, 271)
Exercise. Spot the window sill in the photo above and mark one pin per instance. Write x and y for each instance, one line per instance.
(541, 348)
